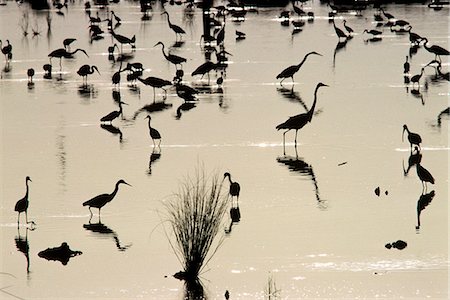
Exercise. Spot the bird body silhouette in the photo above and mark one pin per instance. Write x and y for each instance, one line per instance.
(413, 138)
(341, 34)
(373, 32)
(406, 66)
(174, 59)
(436, 50)
(177, 29)
(348, 28)
(204, 68)
(155, 82)
(416, 78)
(299, 121)
(101, 200)
(22, 204)
(154, 134)
(86, 70)
(291, 70)
(124, 40)
(67, 43)
(30, 73)
(6, 50)
(424, 175)
(61, 52)
(113, 115)
(235, 188)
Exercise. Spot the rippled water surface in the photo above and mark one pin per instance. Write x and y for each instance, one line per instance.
(309, 217)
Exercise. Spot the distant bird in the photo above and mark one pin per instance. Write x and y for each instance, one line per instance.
(416, 78)
(240, 35)
(349, 29)
(220, 37)
(177, 29)
(30, 73)
(95, 19)
(414, 158)
(116, 76)
(373, 32)
(124, 40)
(154, 134)
(22, 204)
(406, 66)
(118, 20)
(101, 200)
(67, 43)
(424, 176)
(86, 70)
(48, 71)
(413, 138)
(291, 70)
(400, 23)
(297, 10)
(6, 50)
(387, 15)
(414, 38)
(113, 115)
(235, 188)
(155, 82)
(299, 121)
(341, 34)
(298, 24)
(204, 68)
(436, 50)
(61, 52)
(174, 59)
(111, 50)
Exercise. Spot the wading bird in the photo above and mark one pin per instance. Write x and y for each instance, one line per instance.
(290, 71)
(341, 34)
(349, 29)
(414, 38)
(61, 52)
(177, 29)
(204, 68)
(413, 138)
(406, 66)
(67, 43)
(113, 115)
(22, 204)
(235, 188)
(124, 40)
(155, 82)
(424, 176)
(118, 20)
(373, 32)
(30, 73)
(48, 71)
(297, 122)
(436, 50)
(154, 134)
(416, 78)
(101, 200)
(387, 15)
(86, 70)
(174, 59)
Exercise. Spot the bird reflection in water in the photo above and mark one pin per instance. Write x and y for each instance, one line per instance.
(414, 158)
(297, 165)
(62, 253)
(417, 94)
(154, 156)
(422, 203)
(339, 46)
(23, 246)
(87, 91)
(114, 130)
(104, 230)
(292, 95)
(235, 217)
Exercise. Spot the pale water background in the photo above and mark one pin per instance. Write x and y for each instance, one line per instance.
(322, 239)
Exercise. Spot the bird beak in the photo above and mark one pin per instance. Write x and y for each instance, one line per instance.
(128, 184)
(124, 103)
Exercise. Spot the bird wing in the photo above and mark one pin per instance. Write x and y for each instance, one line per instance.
(288, 72)
(96, 200)
(297, 121)
(111, 116)
(20, 205)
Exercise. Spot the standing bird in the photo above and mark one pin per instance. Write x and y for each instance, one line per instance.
(118, 20)
(22, 204)
(373, 32)
(416, 78)
(67, 43)
(424, 176)
(436, 50)
(387, 15)
(101, 200)
(290, 71)
(414, 38)
(175, 59)
(116, 76)
(406, 66)
(7, 50)
(86, 70)
(297, 122)
(341, 34)
(61, 52)
(155, 82)
(204, 68)
(235, 188)
(413, 138)
(124, 40)
(30, 73)
(113, 115)
(48, 71)
(154, 134)
(349, 29)
(177, 29)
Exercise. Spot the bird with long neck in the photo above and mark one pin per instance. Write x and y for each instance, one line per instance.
(61, 52)
(101, 200)
(299, 121)
(291, 70)
(413, 138)
(175, 59)
(114, 114)
(154, 134)
(436, 50)
(22, 204)
(235, 188)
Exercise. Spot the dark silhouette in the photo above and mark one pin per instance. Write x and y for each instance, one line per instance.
(444, 112)
(413, 138)
(387, 15)
(48, 71)
(415, 158)
(438, 51)
(154, 156)
(339, 46)
(292, 95)
(414, 38)
(235, 217)
(30, 74)
(422, 203)
(67, 43)
(111, 51)
(400, 245)
(373, 32)
(114, 130)
(22, 204)
(151, 108)
(86, 70)
(62, 253)
(124, 40)
(297, 122)
(174, 59)
(349, 29)
(291, 70)
(177, 29)
(114, 114)
(235, 188)
(416, 78)
(186, 106)
(101, 200)
(240, 35)
(116, 76)
(23, 246)
(61, 52)
(102, 229)
(424, 176)
(340, 34)
(204, 68)
(6, 50)
(155, 82)
(154, 134)
(406, 66)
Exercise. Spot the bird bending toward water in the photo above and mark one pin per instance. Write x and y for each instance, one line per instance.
(436, 50)
(113, 115)
(297, 122)
(235, 188)
(101, 200)
(154, 134)
(22, 204)
(86, 70)
(413, 138)
(290, 71)
(424, 176)
(61, 52)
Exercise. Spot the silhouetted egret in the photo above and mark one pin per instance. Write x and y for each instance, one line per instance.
(6, 50)
(118, 20)
(424, 176)
(297, 122)
(204, 68)
(406, 66)
(416, 78)
(373, 32)
(67, 43)
(30, 73)
(155, 82)
(177, 29)
(436, 50)
(86, 70)
(124, 40)
(341, 34)
(22, 204)
(101, 200)
(154, 134)
(61, 52)
(387, 15)
(175, 59)
(116, 76)
(113, 115)
(291, 70)
(349, 29)
(414, 38)
(413, 138)
(235, 188)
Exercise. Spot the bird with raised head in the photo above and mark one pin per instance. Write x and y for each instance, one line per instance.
(22, 204)
(291, 70)
(101, 200)
(154, 134)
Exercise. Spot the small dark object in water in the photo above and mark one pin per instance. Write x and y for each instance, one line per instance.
(342, 163)
(377, 191)
(62, 253)
(227, 294)
(400, 245)
(386, 193)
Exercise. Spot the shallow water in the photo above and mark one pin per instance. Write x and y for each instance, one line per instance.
(311, 218)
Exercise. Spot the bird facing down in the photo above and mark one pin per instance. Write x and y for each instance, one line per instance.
(291, 70)
(436, 50)
(235, 188)
(416, 78)
(424, 175)
(297, 122)
(154, 134)
(22, 204)
(101, 200)
(67, 43)
(113, 115)
(86, 70)
(413, 138)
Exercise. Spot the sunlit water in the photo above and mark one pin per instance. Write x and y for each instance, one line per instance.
(311, 219)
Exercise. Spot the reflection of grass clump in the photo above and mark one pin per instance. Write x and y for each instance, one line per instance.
(271, 291)
(196, 214)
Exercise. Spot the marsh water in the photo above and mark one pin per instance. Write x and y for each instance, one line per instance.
(310, 218)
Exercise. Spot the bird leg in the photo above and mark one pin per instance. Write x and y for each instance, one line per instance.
(284, 139)
(18, 220)
(90, 212)
(26, 216)
(296, 131)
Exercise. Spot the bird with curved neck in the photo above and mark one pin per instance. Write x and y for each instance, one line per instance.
(113, 115)
(177, 29)
(61, 52)
(413, 138)
(101, 200)
(22, 204)
(86, 70)
(235, 188)
(154, 134)
(291, 70)
(416, 78)
(436, 50)
(299, 121)
(424, 176)
(339, 32)
(174, 59)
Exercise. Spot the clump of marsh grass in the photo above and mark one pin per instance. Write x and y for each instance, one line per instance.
(196, 214)
(271, 291)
